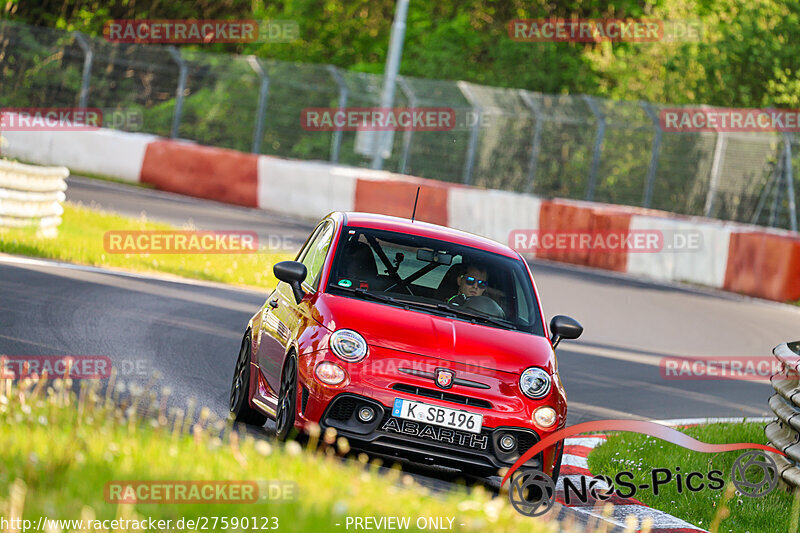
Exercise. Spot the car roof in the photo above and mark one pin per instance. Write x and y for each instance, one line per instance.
(424, 229)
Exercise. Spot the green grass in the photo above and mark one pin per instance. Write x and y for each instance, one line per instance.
(639, 454)
(58, 450)
(80, 240)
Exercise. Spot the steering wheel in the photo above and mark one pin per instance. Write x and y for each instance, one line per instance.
(485, 305)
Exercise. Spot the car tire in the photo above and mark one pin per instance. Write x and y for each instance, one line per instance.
(287, 401)
(240, 389)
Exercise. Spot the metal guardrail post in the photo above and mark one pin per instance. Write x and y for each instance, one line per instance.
(784, 432)
(788, 172)
(336, 140)
(776, 200)
(384, 139)
(87, 68)
(651, 170)
(598, 146)
(263, 92)
(774, 181)
(716, 169)
(183, 71)
(537, 138)
(407, 134)
(472, 148)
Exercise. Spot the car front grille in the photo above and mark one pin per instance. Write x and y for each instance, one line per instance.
(525, 441)
(442, 395)
(342, 408)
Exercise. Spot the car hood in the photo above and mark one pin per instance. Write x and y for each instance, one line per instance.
(429, 335)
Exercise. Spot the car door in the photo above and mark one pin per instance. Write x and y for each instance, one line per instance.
(283, 314)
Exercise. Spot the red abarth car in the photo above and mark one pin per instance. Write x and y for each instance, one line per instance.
(411, 340)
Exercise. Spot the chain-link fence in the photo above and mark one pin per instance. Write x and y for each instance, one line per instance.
(568, 146)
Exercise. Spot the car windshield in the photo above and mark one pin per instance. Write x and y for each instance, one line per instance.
(435, 276)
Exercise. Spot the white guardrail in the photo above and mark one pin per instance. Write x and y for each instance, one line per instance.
(784, 431)
(31, 196)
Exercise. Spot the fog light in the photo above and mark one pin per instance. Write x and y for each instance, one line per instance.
(545, 417)
(507, 443)
(366, 414)
(329, 373)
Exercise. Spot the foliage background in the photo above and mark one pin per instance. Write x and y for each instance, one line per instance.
(746, 58)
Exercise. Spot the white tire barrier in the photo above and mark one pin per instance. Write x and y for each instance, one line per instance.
(784, 432)
(31, 195)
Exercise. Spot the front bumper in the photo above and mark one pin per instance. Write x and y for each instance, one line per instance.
(378, 382)
(425, 443)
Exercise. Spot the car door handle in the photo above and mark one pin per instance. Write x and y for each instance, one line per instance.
(273, 303)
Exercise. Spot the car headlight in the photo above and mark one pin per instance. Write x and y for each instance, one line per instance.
(348, 345)
(330, 373)
(535, 383)
(545, 417)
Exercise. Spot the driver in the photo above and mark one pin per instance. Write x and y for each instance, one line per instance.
(471, 283)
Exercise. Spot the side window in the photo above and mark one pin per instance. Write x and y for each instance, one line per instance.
(315, 254)
(310, 242)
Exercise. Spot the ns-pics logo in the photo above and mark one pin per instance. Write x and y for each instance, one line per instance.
(533, 493)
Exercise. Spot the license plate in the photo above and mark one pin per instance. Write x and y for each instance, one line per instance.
(437, 416)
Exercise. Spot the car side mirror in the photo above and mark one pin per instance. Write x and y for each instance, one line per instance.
(293, 273)
(564, 327)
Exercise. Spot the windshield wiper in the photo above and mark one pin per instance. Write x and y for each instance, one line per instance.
(461, 312)
(454, 310)
(444, 309)
(364, 293)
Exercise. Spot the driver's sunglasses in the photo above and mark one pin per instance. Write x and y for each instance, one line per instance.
(472, 280)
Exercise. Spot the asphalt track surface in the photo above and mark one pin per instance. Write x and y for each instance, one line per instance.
(190, 332)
